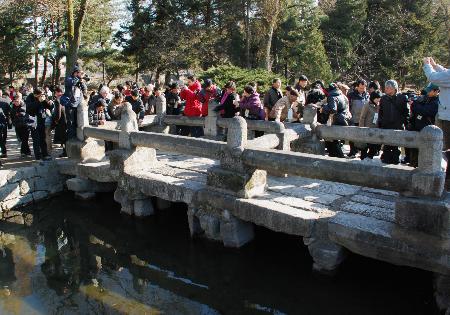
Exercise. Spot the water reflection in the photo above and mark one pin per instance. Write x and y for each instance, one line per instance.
(85, 258)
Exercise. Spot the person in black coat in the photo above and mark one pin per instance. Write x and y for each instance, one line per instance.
(338, 106)
(19, 118)
(228, 101)
(393, 114)
(59, 121)
(136, 103)
(5, 123)
(423, 113)
(36, 104)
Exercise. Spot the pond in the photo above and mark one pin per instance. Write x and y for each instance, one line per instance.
(73, 257)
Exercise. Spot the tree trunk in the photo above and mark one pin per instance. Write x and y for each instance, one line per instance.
(267, 62)
(247, 33)
(74, 28)
(44, 71)
(36, 54)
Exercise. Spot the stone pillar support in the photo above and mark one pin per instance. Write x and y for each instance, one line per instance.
(211, 129)
(442, 292)
(327, 255)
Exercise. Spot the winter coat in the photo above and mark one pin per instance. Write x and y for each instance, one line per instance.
(424, 111)
(59, 124)
(228, 107)
(357, 102)
(36, 111)
(193, 107)
(95, 99)
(196, 87)
(205, 96)
(441, 77)
(137, 105)
(280, 110)
(95, 117)
(338, 106)
(5, 113)
(271, 98)
(173, 102)
(369, 115)
(19, 115)
(254, 106)
(393, 112)
(74, 90)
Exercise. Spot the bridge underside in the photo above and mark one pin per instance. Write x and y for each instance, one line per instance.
(331, 217)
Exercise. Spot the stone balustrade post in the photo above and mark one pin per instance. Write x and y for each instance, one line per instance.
(310, 144)
(309, 115)
(82, 119)
(233, 176)
(210, 128)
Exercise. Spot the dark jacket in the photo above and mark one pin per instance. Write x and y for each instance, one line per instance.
(19, 115)
(424, 111)
(137, 105)
(35, 111)
(228, 106)
(5, 113)
(74, 90)
(271, 98)
(95, 99)
(59, 123)
(393, 112)
(338, 106)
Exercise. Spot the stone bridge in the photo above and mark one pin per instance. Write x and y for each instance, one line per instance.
(281, 181)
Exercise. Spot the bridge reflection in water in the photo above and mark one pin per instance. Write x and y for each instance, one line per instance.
(74, 259)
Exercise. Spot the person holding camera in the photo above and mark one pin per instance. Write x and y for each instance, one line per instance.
(36, 107)
(75, 89)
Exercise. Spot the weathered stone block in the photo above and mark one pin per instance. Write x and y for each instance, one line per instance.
(17, 202)
(90, 150)
(194, 223)
(40, 195)
(442, 292)
(26, 187)
(425, 215)
(84, 195)
(210, 223)
(10, 191)
(234, 232)
(162, 204)
(4, 174)
(139, 158)
(16, 176)
(244, 185)
(428, 184)
(327, 255)
(143, 208)
(78, 184)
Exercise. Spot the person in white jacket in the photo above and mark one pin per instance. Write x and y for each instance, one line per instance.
(440, 76)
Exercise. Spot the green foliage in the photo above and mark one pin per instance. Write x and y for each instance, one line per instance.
(222, 74)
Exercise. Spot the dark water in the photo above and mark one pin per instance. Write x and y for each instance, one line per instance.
(85, 258)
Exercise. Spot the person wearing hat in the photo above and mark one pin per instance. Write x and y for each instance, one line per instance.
(302, 91)
(392, 114)
(338, 106)
(440, 76)
(74, 90)
(423, 113)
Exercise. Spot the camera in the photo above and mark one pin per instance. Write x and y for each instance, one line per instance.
(86, 78)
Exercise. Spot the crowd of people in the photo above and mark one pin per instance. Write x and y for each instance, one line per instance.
(49, 115)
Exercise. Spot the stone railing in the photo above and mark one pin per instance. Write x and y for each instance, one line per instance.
(244, 163)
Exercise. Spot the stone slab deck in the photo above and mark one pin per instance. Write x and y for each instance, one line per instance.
(360, 219)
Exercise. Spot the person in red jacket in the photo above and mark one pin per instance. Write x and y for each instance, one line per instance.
(193, 108)
(210, 91)
(194, 84)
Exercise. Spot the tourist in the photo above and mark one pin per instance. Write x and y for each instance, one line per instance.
(393, 113)
(209, 92)
(229, 102)
(369, 119)
(20, 120)
(301, 88)
(36, 105)
(59, 123)
(317, 97)
(374, 86)
(194, 84)
(116, 105)
(193, 108)
(127, 89)
(440, 76)
(158, 101)
(74, 90)
(5, 123)
(271, 97)
(283, 108)
(47, 115)
(98, 116)
(47, 91)
(11, 92)
(336, 105)
(424, 111)
(173, 100)
(148, 99)
(103, 93)
(136, 103)
(357, 99)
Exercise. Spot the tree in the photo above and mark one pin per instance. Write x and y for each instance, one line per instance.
(74, 29)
